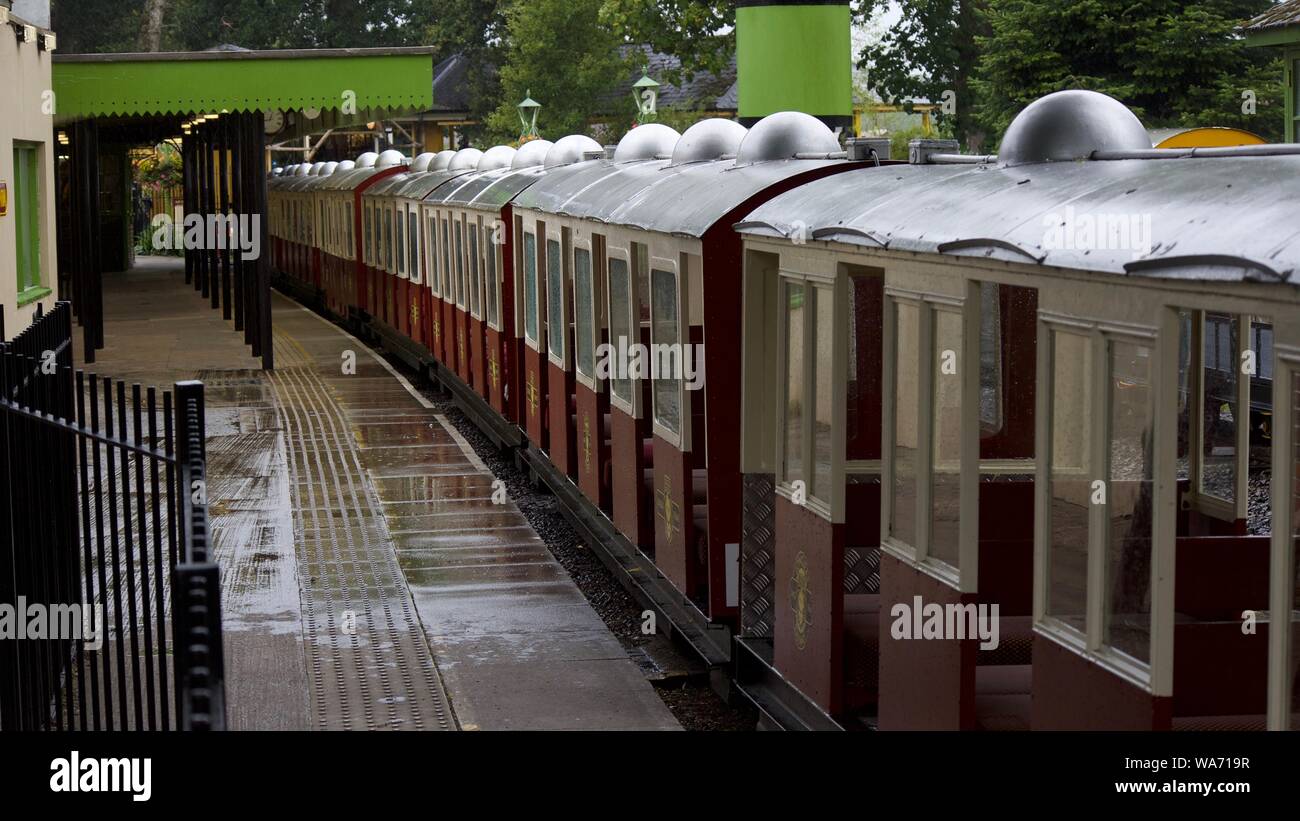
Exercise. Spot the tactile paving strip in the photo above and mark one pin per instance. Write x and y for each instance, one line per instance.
(368, 660)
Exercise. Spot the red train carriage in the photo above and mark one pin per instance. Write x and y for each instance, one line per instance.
(675, 235)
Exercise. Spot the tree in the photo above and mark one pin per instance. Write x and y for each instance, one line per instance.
(92, 26)
(475, 29)
(700, 33)
(931, 55)
(560, 53)
(1175, 62)
(151, 25)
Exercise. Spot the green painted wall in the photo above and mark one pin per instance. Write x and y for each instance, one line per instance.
(795, 57)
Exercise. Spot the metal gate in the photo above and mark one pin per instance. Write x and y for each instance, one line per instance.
(114, 602)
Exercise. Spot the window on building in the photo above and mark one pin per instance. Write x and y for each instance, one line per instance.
(583, 320)
(25, 206)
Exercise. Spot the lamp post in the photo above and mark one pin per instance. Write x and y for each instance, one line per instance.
(645, 92)
(528, 117)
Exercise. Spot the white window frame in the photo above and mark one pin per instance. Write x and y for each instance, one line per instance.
(1155, 676)
(633, 316)
(414, 253)
(532, 341)
(474, 255)
(497, 252)
(818, 285)
(556, 234)
(965, 576)
(680, 440)
(584, 242)
(1282, 569)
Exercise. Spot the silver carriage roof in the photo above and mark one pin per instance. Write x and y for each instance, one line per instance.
(688, 196)
(1216, 214)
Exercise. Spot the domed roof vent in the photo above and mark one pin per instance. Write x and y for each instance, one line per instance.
(346, 165)
(302, 170)
(1070, 125)
(570, 149)
(646, 142)
(466, 159)
(785, 134)
(367, 160)
(390, 158)
(498, 156)
(328, 168)
(531, 153)
(710, 139)
(442, 159)
(421, 163)
(275, 172)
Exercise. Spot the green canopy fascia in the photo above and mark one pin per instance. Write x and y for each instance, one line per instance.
(179, 83)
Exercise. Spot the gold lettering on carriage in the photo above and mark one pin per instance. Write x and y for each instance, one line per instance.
(659, 360)
(951, 622)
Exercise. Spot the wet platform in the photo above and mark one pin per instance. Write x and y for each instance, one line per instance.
(369, 579)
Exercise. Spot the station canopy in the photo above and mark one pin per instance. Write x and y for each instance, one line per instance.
(340, 86)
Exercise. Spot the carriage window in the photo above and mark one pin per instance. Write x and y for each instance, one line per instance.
(866, 295)
(1071, 482)
(413, 239)
(907, 339)
(582, 306)
(490, 248)
(946, 426)
(794, 320)
(620, 321)
(1129, 502)
(369, 236)
(388, 242)
(474, 275)
(1259, 434)
(642, 281)
(823, 332)
(400, 242)
(990, 359)
(530, 287)
(446, 262)
(1219, 427)
(1185, 403)
(351, 238)
(459, 282)
(431, 253)
(555, 325)
(664, 325)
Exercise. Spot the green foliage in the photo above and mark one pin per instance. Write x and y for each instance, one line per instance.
(91, 26)
(476, 29)
(1176, 63)
(162, 169)
(561, 54)
(698, 32)
(932, 50)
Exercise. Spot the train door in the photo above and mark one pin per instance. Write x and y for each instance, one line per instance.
(536, 415)
(590, 335)
(631, 446)
(559, 398)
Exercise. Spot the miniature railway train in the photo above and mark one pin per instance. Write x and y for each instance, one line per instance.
(800, 472)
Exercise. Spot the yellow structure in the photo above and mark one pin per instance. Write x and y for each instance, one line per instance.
(1211, 138)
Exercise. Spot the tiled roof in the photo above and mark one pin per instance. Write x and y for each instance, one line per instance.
(714, 92)
(1281, 15)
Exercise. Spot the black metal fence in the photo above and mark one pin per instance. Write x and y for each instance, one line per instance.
(103, 547)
